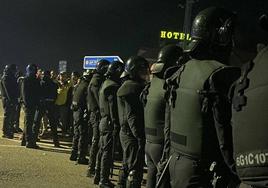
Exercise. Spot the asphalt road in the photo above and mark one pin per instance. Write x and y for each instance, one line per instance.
(47, 167)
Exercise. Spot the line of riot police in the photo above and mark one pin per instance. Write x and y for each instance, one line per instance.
(199, 122)
(188, 119)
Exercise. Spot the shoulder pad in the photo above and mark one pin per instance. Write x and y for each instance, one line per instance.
(223, 78)
(129, 87)
(20, 79)
(96, 80)
(260, 54)
(111, 88)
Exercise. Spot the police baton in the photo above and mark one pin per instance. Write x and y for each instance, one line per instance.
(113, 149)
(163, 173)
(112, 167)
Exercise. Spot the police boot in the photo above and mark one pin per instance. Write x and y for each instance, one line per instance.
(57, 144)
(107, 184)
(97, 177)
(90, 172)
(23, 140)
(73, 156)
(132, 180)
(122, 179)
(82, 160)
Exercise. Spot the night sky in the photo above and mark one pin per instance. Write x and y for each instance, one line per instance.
(46, 31)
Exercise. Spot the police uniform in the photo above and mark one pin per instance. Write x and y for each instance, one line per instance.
(80, 114)
(109, 127)
(154, 115)
(10, 95)
(250, 122)
(200, 111)
(93, 106)
(153, 97)
(132, 134)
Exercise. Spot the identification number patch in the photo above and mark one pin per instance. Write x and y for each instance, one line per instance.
(252, 159)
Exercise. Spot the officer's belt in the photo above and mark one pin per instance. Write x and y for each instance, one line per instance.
(151, 131)
(177, 138)
(155, 141)
(49, 100)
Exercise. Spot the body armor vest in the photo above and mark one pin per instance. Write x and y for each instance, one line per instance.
(154, 111)
(250, 120)
(93, 92)
(108, 87)
(192, 129)
(128, 88)
(80, 94)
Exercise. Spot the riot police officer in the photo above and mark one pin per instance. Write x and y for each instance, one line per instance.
(153, 97)
(200, 111)
(249, 119)
(93, 107)
(10, 94)
(48, 95)
(109, 123)
(80, 115)
(31, 100)
(131, 117)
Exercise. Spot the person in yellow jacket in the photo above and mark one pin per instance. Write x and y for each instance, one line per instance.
(63, 102)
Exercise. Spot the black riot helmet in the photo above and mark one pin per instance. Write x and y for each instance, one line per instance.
(212, 32)
(263, 21)
(135, 66)
(10, 69)
(87, 74)
(168, 56)
(115, 70)
(31, 70)
(102, 66)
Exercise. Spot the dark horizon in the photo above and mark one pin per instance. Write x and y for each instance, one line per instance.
(44, 32)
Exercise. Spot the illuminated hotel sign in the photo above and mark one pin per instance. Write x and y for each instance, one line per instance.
(174, 35)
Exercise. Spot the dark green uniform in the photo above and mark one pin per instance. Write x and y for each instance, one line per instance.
(80, 115)
(200, 123)
(109, 123)
(154, 117)
(132, 134)
(250, 110)
(93, 107)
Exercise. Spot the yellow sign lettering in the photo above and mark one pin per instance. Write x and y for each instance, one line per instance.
(182, 36)
(163, 34)
(176, 35)
(188, 37)
(169, 35)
